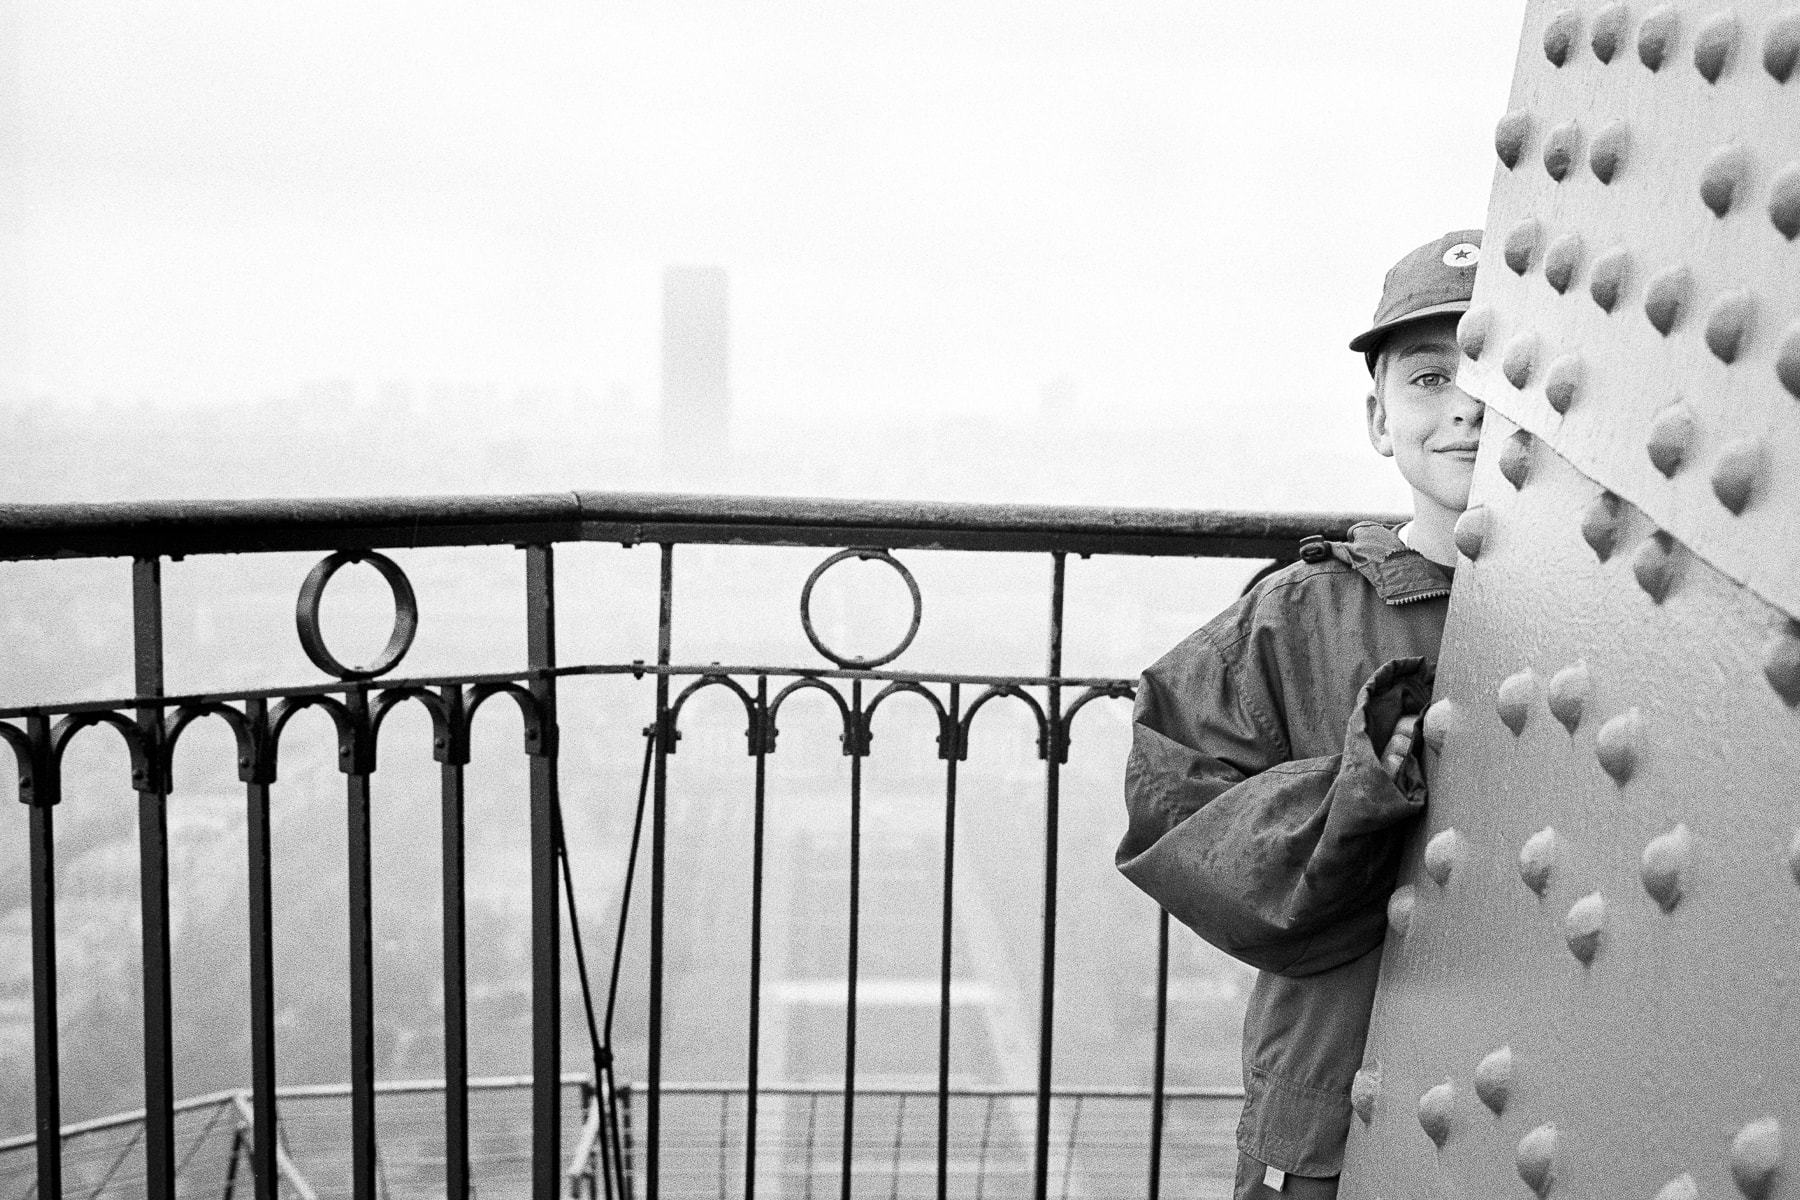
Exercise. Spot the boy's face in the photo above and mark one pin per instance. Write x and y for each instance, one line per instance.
(1420, 418)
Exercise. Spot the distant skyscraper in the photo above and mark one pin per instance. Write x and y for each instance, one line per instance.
(696, 373)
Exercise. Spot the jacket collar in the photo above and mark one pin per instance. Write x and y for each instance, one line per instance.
(1399, 574)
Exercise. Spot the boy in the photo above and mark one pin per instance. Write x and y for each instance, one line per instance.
(1272, 777)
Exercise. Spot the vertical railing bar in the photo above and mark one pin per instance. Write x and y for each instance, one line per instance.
(629, 1178)
(945, 958)
(1160, 1057)
(724, 1140)
(812, 1120)
(362, 951)
(658, 859)
(260, 887)
(1052, 782)
(546, 940)
(855, 746)
(760, 731)
(456, 1005)
(1069, 1147)
(899, 1135)
(153, 884)
(48, 1097)
(987, 1130)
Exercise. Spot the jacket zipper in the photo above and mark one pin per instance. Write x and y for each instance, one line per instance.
(1421, 596)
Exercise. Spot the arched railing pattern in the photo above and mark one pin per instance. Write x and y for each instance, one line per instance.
(357, 703)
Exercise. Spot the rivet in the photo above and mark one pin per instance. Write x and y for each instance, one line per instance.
(1600, 525)
(1560, 35)
(1537, 859)
(1562, 381)
(1654, 565)
(1364, 1088)
(1784, 201)
(1517, 692)
(1655, 35)
(1607, 281)
(1561, 260)
(1522, 245)
(1735, 475)
(1435, 1107)
(1722, 176)
(1400, 909)
(1606, 154)
(1569, 689)
(1679, 1188)
(1665, 861)
(1781, 660)
(1713, 46)
(1726, 323)
(1665, 296)
(1472, 529)
(1517, 361)
(1473, 330)
(1537, 1159)
(1617, 745)
(1441, 853)
(1787, 361)
(1438, 718)
(1493, 1079)
(1581, 928)
(1515, 458)
(1781, 48)
(1671, 437)
(1608, 30)
(1756, 1156)
(1560, 147)
(244, 762)
(1510, 135)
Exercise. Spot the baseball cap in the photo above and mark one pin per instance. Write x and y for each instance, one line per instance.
(1438, 277)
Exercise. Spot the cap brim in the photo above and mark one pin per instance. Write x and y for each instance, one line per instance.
(1362, 343)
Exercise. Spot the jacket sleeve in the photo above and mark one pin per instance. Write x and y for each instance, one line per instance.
(1286, 865)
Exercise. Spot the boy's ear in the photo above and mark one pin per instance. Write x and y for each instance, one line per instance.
(1378, 424)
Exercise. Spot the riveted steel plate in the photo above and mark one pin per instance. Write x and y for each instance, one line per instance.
(1638, 301)
(1608, 1007)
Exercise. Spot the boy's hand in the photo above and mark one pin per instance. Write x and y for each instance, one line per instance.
(1389, 711)
(1399, 745)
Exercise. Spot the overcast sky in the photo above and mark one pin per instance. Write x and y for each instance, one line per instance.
(1180, 208)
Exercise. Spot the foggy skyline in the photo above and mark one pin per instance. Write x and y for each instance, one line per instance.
(937, 209)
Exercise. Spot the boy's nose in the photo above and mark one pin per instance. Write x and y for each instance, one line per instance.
(1466, 409)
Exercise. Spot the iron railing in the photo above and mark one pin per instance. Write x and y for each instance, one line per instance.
(151, 722)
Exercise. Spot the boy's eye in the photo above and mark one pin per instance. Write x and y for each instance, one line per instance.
(1430, 379)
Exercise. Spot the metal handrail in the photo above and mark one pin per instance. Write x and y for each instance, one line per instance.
(143, 528)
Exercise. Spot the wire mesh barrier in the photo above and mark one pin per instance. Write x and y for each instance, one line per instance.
(104, 1159)
(1099, 1149)
(637, 1137)
(1098, 1153)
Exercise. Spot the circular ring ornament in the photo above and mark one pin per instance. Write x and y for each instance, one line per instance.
(857, 661)
(406, 615)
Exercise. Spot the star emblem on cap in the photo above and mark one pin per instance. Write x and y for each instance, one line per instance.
(1463, 254)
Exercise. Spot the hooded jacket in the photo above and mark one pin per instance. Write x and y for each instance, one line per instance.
(1261, 818)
